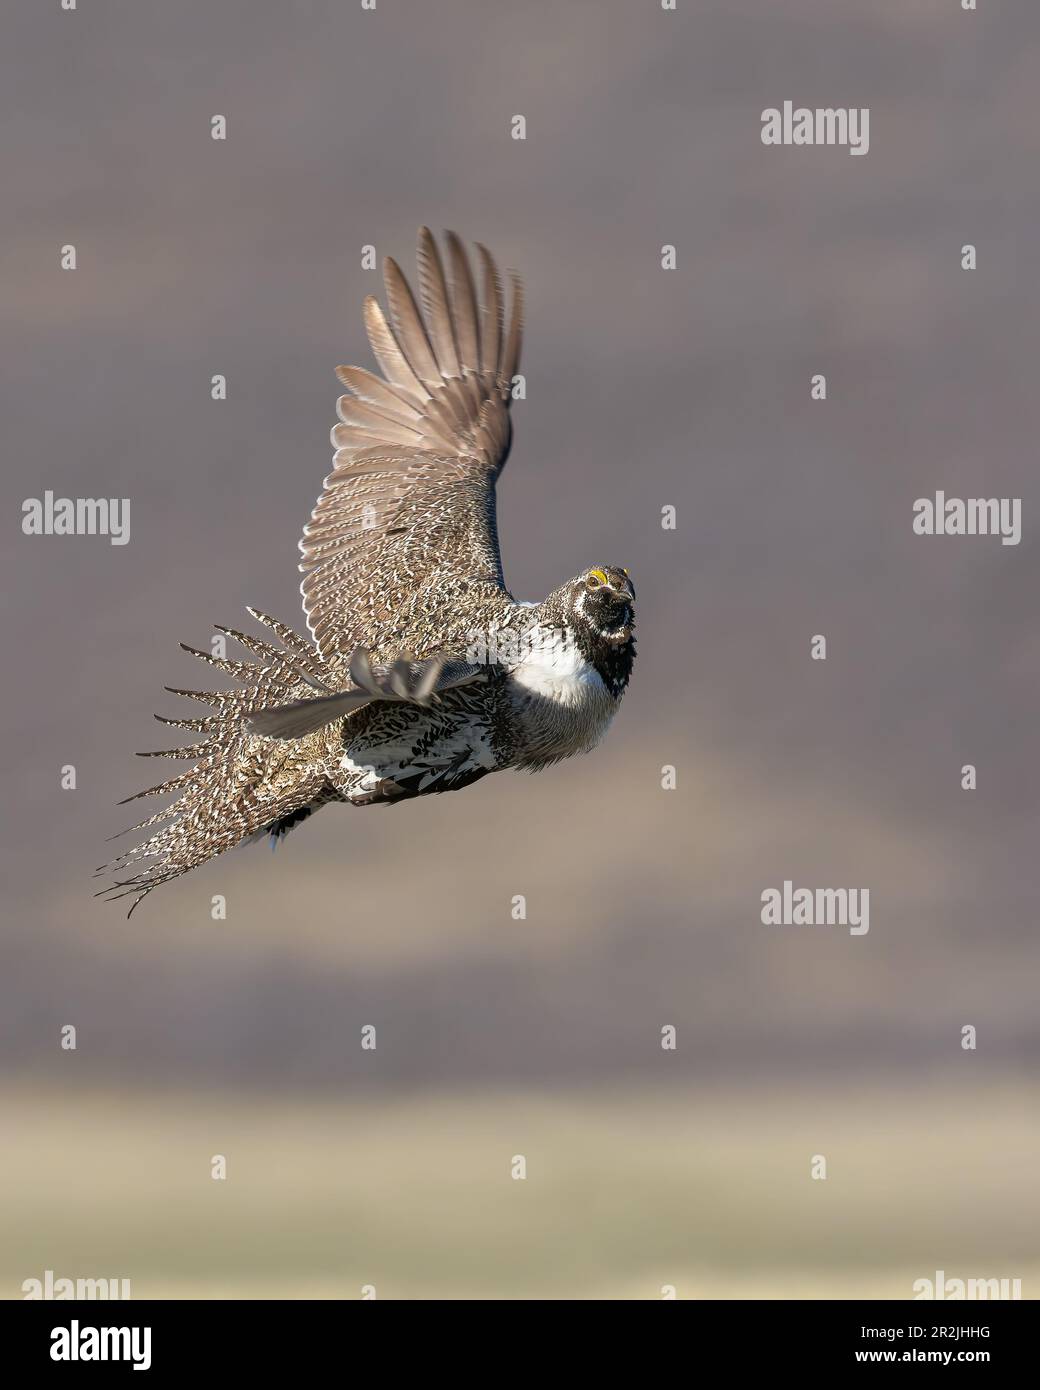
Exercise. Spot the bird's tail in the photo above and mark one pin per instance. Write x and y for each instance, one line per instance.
(241, 784)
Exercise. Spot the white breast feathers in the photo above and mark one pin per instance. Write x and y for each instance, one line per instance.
(562, 704)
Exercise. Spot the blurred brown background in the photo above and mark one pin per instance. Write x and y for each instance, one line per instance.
(645, 388)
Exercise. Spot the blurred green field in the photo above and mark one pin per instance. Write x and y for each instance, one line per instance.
(625, 1192)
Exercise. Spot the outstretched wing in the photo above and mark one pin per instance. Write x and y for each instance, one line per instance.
(409, 508)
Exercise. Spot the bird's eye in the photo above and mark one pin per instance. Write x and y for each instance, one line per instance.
(595, 579)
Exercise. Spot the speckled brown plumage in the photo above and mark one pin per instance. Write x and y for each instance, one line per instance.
(424, 674)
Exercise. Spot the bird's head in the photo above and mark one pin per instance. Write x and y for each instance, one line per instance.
(603, 601)
(599, 604)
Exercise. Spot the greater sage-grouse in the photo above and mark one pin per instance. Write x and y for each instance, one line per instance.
(424, 673)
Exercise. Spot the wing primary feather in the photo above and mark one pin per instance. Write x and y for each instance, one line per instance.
(377, 393)
(434, 291)
(511, 354)
(388, 354)
(464, 304)
(355, 437)
(491, 320)
(408, 326)
(353, 411)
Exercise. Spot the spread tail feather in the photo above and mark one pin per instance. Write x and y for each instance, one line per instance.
(241, 784)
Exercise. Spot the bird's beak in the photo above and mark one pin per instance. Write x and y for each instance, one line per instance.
(626, 593)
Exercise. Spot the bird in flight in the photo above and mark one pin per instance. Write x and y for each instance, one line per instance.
(423, 673)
